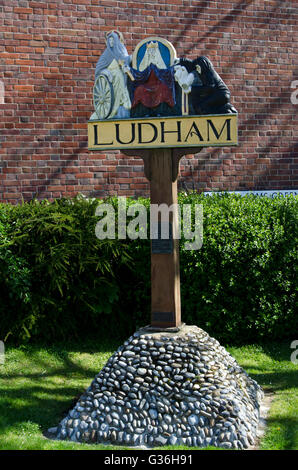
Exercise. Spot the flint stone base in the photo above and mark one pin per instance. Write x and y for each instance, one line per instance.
(164, 388)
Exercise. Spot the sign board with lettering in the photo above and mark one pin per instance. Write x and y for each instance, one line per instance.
(153, 99)
(157, 106)
(168, 132)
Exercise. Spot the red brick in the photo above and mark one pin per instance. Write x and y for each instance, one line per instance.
(23, 10)
(48, 76)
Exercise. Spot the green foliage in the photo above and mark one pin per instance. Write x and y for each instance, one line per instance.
(72, 273)
(242, 284)
(58, 280)
(15, 282)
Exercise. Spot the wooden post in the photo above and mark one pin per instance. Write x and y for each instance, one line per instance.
(161, 167)
(165, 271)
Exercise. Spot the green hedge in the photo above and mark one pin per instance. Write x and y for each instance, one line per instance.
(242, 285)
(59, 281)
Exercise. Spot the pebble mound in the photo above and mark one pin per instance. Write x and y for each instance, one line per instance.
(167, 389)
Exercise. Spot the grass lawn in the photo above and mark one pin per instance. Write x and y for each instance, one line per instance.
(39, 384)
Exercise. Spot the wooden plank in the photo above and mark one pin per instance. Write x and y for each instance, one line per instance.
(165, 271)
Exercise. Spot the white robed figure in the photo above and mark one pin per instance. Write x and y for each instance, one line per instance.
(152, 56)
(112, 64)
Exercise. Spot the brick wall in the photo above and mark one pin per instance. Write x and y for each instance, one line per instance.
(48, 52)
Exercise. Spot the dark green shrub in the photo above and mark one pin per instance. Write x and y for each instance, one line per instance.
(58, 280)
(15, 286)
(242, 284)
(72, 272)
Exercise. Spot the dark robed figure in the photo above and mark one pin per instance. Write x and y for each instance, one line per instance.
(209, 93)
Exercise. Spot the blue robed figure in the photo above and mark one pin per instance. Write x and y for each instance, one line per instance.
(153, 85)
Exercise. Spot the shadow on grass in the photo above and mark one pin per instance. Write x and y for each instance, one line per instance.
(276, 372)
(278, 351)
(45, 396)
(281, 433)
(61, 352)
(275, 381)
(88, 345)
(44, 410)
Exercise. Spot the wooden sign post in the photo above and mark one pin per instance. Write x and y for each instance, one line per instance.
(167, 140)
(158, 107)
(165, 272)
(161, 168)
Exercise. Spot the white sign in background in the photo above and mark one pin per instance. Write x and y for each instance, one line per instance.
(269, 193)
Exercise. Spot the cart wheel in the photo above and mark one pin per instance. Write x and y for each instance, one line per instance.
(103, 96)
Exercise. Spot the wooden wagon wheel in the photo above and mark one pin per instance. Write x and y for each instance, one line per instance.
(103, 96)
